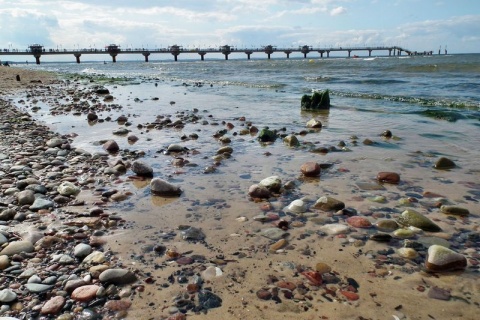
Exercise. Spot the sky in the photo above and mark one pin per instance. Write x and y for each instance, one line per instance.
(417, 25)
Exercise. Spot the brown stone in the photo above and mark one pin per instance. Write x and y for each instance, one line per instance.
(53, 306)
(111, 146)
(118, 305)
(388, 177)
(286, 285)
(85, 293)
(359, 222)
(264, 294)
(310, 169)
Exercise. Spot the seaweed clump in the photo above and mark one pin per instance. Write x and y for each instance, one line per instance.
(319, 100)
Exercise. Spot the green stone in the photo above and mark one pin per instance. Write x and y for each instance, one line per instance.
(387, 225)
(454, 210)
(412, 218)
(404, 233)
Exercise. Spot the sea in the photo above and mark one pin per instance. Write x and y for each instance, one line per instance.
(430, 104)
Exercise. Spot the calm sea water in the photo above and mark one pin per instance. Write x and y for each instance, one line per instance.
(432, 97)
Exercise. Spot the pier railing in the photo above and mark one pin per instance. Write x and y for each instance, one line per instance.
(114, 50)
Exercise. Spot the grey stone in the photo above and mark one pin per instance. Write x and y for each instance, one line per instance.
(38, 287)
(17, 247)
(25, 197)
(7, 295)
(140, 168)
(117, 276)
(273, 183)
(82, 250)
(40, 204)
(164, 188)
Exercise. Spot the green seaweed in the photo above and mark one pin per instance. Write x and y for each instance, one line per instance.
(318, 101)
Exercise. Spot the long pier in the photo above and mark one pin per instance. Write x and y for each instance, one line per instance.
(114, 50)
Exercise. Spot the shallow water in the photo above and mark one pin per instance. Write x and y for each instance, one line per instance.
(368, 96)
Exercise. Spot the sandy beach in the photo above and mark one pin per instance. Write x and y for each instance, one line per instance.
(126, 248)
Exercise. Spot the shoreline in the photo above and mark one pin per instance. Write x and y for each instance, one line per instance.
(249, 268)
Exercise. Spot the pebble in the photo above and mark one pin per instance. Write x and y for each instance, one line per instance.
(7, 296)
(117, 276)
(322, 267)
(161, 187)
(37, 287)
(82, 250)
(53, 306)
(454, 210)
(334, 229)
(4, 262)
(388, 177)
(408, 253)
(296, 206)
(273, 183)
(359, 222)
(326, 203)
(85, 293)
(118, 305)
(387, 225)
(441, 259)
(278, 245)
(412, 218)
(310, 169)
(16, 247)
(273, 233)
(444, 164)
(140, 168)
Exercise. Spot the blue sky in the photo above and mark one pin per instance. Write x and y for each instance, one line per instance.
(413, 24)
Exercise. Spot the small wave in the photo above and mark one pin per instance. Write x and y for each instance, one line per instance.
(428, 102)
(89, 70)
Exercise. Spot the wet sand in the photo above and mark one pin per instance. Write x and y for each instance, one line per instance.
(386, 288)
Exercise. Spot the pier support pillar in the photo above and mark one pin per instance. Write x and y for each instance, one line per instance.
(77, 57)
(321, 53)
(287, 52)
(389, 52)
(288, 55)
(328, 53)
(37, 58)
(248, 53)
(349, 52)
(114, 57)
(226, 55)
(268, 56)
(202, 55)
(305, 55)
(146, 54)
(370, 52)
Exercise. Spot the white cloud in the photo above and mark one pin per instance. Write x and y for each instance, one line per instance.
(338, 11)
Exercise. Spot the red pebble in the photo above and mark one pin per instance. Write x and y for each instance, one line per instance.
(352, 296)
(314, 277)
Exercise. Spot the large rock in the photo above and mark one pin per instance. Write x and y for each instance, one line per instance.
(273, 183)
(441, 259)
(40, 204)
(161, 187)
(117, 276)
(8, 214)
(140, 168)
(17, 247)
(329, 204)
(411, 218)
(318, 101)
